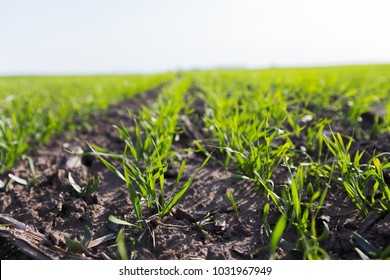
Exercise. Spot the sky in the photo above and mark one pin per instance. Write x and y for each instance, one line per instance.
(149, 36)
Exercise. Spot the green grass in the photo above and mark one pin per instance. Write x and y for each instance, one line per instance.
(291, 133)
(145, 158)
(255, 118)
(33, 109)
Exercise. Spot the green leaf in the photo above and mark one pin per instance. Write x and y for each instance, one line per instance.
(230, 197)
(310, 190)
(18, 180)
(31, 164)
(385, 254)
(296, 200)
(183, 189)
(288, 246)
(92, 186)
(322, 199)
(366, 246)
(265, 220)
(118, 221)
(74, 184)
(325, 233)
(180, 174)
(120, 242)
(87, 237)
(361, 254)
(277, 234)
(315, 196)
(200, 147)
(74, 245)
(107, 164)
(134, 198)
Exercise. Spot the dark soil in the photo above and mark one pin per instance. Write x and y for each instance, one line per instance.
(201, 226)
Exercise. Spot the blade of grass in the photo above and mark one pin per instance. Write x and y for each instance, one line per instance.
(277, 234)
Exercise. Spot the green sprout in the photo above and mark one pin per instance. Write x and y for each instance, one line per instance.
(87, 190)
(80, 246)
(232, 201)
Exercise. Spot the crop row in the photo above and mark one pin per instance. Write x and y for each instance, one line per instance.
(284, 121)
(33, 109)
(290, 132)
(300, 123)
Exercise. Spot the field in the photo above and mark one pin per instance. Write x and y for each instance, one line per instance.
(224, 164)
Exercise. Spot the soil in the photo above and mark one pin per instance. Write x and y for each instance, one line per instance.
(202, 225)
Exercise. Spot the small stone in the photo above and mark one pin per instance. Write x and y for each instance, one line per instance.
(383, 226)
(307, 118)
(58, 237)
(351, 223)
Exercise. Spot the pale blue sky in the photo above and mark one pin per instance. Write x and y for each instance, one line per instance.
(118, 36)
